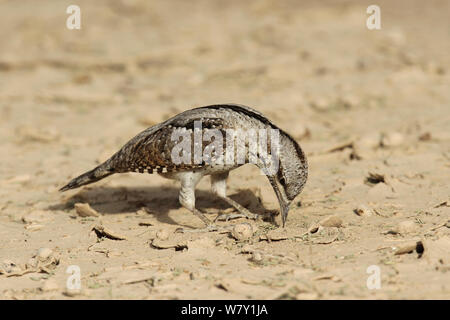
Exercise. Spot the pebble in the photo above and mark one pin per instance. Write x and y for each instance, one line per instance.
(406, 227)
(406, 248)
(162, 234)
(242, 231)
(363, 211)
(34, 227)
(85, 210)
(44, 253)
(392, 139)
(367, 142)
(72, 292)
(256, 256)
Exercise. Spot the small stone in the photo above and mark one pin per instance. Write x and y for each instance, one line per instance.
(169, 244)
(44, 253)
(406, 227)
(34, 227)
(369, 141)
(276, 235)
(242, 231)
(408, 248)
(392, 139)
(162, 234)
(364, 147)
(72, 292)
(363, 211)
(257, 257)
(315, 227)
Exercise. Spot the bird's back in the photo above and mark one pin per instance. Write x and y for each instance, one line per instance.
(151, 150)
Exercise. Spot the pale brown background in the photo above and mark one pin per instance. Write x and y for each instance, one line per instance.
(69, 99)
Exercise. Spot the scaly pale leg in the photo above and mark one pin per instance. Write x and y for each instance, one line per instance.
(186, 197)
(219, 187)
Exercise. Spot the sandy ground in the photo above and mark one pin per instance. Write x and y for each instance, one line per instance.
(370, 108)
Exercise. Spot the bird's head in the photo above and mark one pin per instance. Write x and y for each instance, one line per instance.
(290, 178)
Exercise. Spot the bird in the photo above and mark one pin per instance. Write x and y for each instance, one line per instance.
(156, 150)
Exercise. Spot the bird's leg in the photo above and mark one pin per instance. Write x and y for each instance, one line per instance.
(243, 212)
(219, 187)
(187, 199)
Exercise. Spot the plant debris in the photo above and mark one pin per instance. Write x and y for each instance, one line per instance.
(102, 231)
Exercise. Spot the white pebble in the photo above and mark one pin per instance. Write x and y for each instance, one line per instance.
(44, 253)
(242, 231)
(162, 234)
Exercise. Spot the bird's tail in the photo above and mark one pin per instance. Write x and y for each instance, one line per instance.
(100, 172)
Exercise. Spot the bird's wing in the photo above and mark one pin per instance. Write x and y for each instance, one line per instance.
(152, 149)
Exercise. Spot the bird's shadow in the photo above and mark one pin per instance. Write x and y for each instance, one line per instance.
(157, 201)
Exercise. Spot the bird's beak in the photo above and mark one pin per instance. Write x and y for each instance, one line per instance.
(284, 208)
(284, 204)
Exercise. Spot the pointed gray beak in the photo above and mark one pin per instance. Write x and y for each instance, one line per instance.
(284, 204)
(284, 208)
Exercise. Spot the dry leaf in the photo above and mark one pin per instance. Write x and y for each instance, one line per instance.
(102, 231)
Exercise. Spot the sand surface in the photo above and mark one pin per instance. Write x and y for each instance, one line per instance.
(370, 108)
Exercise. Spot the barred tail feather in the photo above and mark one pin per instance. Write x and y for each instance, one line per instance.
(94, 175)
